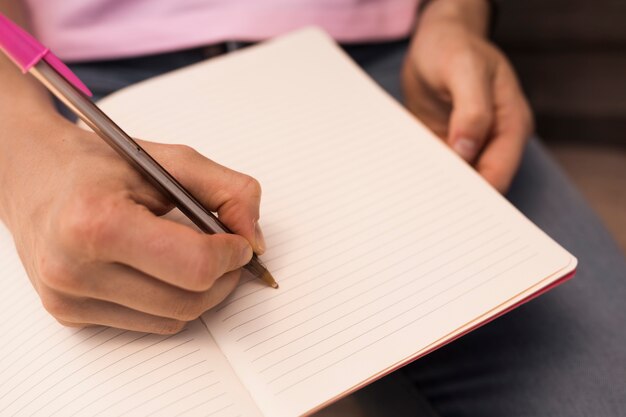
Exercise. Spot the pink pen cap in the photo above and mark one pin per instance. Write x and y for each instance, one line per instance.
(25, 51)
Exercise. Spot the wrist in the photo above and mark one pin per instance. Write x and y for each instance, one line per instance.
(471, 15)
(27, 143)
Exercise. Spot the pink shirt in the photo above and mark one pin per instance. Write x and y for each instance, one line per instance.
(99, 29)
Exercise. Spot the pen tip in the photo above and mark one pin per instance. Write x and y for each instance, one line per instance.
(269, 279)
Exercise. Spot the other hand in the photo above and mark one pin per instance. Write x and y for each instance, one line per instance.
(464, 89)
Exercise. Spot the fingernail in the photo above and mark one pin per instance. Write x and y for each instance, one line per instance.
(259, 239)
(466, 148)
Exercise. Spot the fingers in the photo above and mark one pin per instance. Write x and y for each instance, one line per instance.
(491, 119)
(127, 287)
(133, 289)
(235, 196)
(470, 86)
(500, 160)
(78, 313)
(122, 231)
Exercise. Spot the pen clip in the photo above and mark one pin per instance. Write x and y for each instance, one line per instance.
(67, 73)
(25, 51)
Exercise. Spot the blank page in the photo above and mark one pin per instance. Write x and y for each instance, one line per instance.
(50, 370)
(382, 240)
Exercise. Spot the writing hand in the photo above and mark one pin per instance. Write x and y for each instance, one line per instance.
(89, 232)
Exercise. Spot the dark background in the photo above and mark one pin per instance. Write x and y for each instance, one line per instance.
(571, 59)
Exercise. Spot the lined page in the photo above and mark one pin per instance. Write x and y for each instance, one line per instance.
(49, 370)
(383, 242)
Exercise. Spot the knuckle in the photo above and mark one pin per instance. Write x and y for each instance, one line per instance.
(224, 286)
(168, 326)
(250, 185)
(185, 151)
(253, 184)
(87, 224)
(59, 307)
(55, 273)
(178, 156)
(188, 308)
(203, 269)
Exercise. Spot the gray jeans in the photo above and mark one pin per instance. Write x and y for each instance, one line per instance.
(563, 354)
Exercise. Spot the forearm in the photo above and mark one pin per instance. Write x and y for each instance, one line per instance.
(26, 113)
(474, 15)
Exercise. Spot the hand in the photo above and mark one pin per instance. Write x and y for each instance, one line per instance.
(88, 231)
(466, 91)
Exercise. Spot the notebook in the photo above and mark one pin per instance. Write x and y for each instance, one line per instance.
(385, 244)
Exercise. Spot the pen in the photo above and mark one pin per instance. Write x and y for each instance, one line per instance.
(31, 56)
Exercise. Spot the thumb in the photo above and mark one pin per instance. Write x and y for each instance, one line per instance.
(472, 112)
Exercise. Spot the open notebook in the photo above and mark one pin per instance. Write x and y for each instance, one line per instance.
(385, 244)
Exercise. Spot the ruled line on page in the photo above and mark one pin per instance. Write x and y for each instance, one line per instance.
(403, 327)
(337, 254)
(99, 331)
(295, 260)
(203, 403)
(369, 170)
(97, 358)
(172, 389)
(167, 391)
(220, 410)
(25, 352)
(369, 154)
(158, 381)
(21, 345)
(433, 205)
(12, 306)
(348, 287)
(10, 286)
(308, 295)
(87, 364)
(190, 394)
(303, 145)
(373, 250)
(17, 312)
(107, 366)
(435, 202)
(243, 154)
(321, 207)
(372, 315)
(353, 297)
(321, 211)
